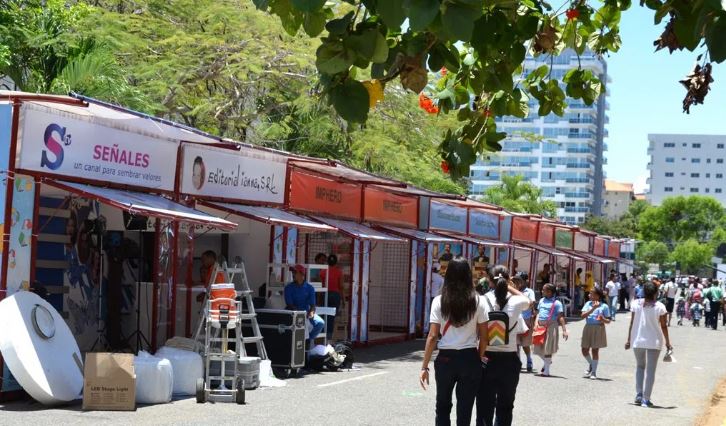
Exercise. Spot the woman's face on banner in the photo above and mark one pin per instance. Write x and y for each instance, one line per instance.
(197, 175)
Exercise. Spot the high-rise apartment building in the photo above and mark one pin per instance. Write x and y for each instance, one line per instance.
(686, 165)
(561, 155)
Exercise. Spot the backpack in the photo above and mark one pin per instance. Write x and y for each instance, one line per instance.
(498, 328)
(344, 347)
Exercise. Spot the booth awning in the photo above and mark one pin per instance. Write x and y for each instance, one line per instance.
(270, 216)
(414, 234)
(589, 257)
(474, 240)
(143, 204)
(357, 230)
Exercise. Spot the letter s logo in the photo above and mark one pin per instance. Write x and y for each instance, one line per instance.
(54, 146)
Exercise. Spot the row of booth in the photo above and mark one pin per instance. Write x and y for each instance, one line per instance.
(108, 211)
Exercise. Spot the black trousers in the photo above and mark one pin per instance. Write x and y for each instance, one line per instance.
(498, 388)
(460, 369)
(715, 308)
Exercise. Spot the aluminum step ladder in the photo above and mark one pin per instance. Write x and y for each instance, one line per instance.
(248, 316)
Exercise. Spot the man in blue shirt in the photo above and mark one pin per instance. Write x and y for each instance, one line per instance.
(300, 296)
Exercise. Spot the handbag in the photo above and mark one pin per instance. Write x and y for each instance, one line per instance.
(539, 335)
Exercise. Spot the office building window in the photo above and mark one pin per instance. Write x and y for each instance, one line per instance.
(695, 175)
(695, 160)
(694, 189)
(669, 174)
(719, 175)
(668, 189)
(708, 190)
(708, 175)
(670, 160)
(696, 145)
(718, 190)
(719, 146)
(669, 145)
(719, 161)
(708, 160)
(685, 144)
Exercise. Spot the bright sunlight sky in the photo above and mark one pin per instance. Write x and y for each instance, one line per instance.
(645, 97)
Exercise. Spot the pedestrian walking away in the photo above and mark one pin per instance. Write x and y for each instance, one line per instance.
(671, 290)
(550, 313)
(681, 310)
(501, 375)
(647, 334)
(596, 314)
(460, 317)
(613, 289)
(715, 295)
(524, 340)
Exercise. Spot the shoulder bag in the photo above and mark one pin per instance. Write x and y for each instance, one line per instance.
(539, 335)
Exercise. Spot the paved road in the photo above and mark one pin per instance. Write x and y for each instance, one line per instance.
(385, 392)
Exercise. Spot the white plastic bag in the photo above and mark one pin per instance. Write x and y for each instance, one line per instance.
(188, 367)
(267, 378)
(154, 379)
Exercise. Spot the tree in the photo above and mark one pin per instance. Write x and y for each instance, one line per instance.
(692, 256)
(225, 68)
(516, 195)
(624, 227)
(652, 252)
(481, 45)
(681, 218)
(45, 52)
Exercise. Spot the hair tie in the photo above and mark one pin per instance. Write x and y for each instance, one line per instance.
(499, 276)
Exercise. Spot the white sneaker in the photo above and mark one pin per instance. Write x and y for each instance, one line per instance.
(587, 374)
(593, 377)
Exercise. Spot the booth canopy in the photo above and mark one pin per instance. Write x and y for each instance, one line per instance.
(143, 204)
(474, 240)
(414, 234)
(552, 251)
(357, 230)
(270, 215)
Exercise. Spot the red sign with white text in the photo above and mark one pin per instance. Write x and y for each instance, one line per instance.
(319, 195)
(614, 250)
(385, 207)
(599, 247)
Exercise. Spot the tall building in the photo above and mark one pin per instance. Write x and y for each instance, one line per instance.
(686, 165)
(617, 198)
(565, 157)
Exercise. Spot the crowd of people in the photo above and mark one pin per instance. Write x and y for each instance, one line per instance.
(481, 330)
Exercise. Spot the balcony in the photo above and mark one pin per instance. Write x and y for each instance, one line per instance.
(578, 165)
(577, 195)
(577, 209)
(577, 180)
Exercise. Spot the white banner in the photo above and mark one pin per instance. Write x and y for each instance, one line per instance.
(61, 143)
(245, 175)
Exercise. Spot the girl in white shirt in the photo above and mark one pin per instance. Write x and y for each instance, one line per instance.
(646, 335)
(501, 375)
(461, 318)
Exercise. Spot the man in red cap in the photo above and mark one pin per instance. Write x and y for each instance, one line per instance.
(300, 296)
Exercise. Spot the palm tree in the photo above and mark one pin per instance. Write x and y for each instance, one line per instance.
(517, 195)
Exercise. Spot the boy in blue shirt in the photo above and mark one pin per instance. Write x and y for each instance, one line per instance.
(300, 296)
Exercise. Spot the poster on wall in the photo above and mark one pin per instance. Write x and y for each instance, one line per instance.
(246, 175)
(66, 144)
(291, 246)
(21, 230)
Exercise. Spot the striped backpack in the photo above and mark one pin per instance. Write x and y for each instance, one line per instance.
(498, 327)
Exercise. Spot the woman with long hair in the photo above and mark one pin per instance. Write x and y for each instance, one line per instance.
(550, 313)
(596, 314)
(647, 332)
(460, 317)
(501, 376)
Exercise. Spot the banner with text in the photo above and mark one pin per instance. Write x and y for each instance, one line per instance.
(599, 246)
(320, 195)
(614, 249)
(386, 207)
(447, 217)
(546, 234)
(564, 238)
(245, 175)
(66, 144)
(484, 224)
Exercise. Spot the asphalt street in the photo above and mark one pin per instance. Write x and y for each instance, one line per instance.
(385, 391)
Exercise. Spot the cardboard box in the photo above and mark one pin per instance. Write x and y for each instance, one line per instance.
(109, 382)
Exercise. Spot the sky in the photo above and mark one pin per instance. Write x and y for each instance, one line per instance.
(645, 97)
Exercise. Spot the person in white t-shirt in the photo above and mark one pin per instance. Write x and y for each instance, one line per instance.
(646, 335)
(671, 290)
(460, 317)
(613, 290)
(501, 375)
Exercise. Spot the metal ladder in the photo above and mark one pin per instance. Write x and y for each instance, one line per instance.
(250, 315)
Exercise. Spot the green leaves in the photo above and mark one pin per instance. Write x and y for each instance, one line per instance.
(458, 17)
(308, 5)
(582, 84)
(369, 45)
(350, 100)
(716, 38)
(421, 13)
(391, 12)
(333, 57)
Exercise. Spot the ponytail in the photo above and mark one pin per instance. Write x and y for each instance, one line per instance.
(501, 284)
